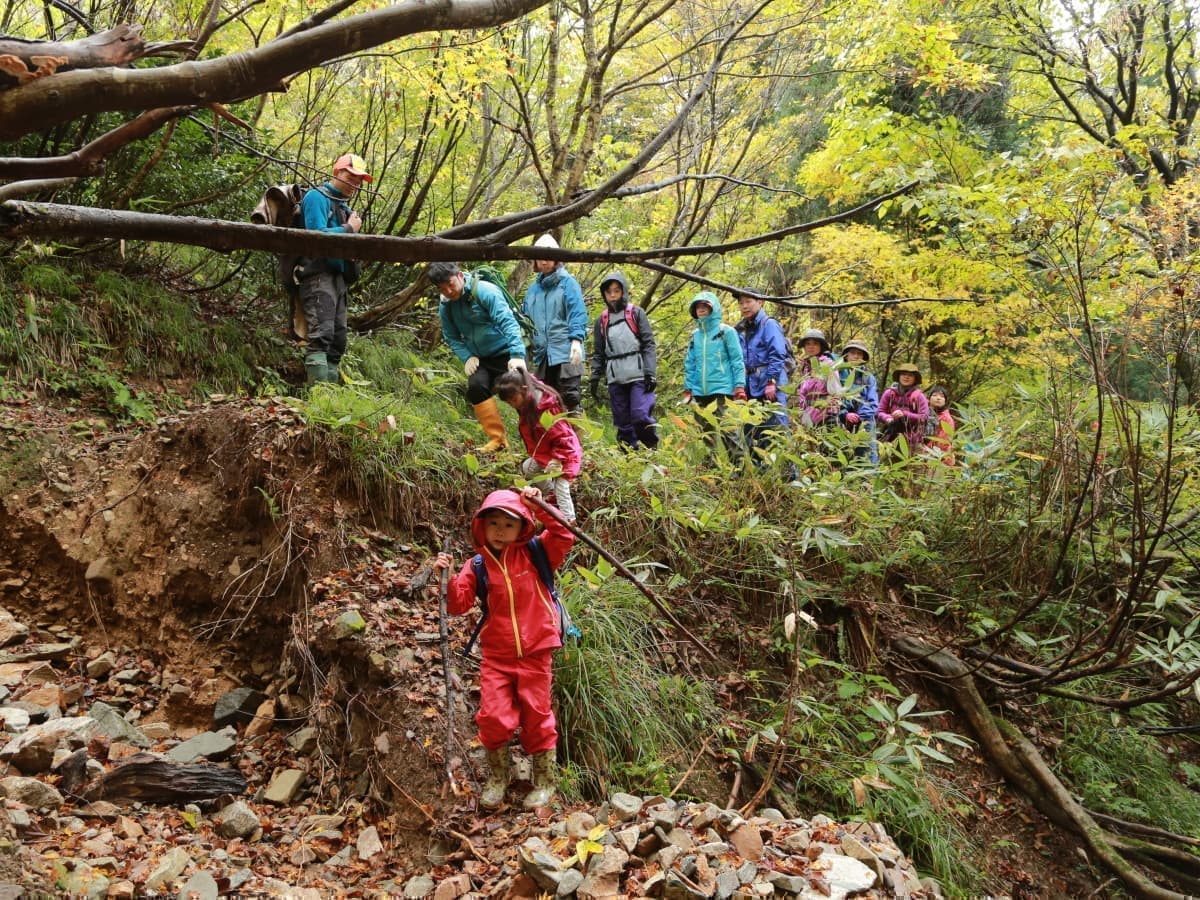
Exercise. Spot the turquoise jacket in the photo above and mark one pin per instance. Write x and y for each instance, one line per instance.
(480, 322)
(714, 363)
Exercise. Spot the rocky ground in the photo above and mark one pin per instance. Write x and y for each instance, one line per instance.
(221, 674)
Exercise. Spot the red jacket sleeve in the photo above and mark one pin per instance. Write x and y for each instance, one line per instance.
(461, 594)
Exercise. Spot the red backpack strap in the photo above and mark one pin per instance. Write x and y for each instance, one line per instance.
(631, 318)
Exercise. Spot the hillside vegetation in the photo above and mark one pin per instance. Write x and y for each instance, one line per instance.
(929, 648)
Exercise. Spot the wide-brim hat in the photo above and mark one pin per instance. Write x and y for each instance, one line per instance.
(815, 334)
(859, 346)
(908, 369)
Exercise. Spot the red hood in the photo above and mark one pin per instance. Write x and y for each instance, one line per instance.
(510, 501)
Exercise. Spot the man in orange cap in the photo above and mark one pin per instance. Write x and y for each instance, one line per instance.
(323, 281)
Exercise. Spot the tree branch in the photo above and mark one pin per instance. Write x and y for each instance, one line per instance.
(62, 97)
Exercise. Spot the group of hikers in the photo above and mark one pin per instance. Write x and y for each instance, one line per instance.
(512, 569)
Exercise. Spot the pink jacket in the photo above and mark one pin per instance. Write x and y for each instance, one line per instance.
(522, 618)
(559, 441)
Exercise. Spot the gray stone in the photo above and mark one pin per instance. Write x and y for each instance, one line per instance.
(303, 741)
(665, 815)
(201, 886)
(284, 787)
(33, 750)
(604, 874)
(349, 624)
(747, 872)
(418, 886)
(569, 883)
(727, 883)
(544, 868)
(11, 631)
(579, 824)
(102, 664)
(30, 652)
(209, 745)
(30, 791)
(797, 841)
(237, 707)
(626, 806)
(169, 868)
(705, 816)
(237, 820)
(772, 815)
(628, 837)
(847, 876)
(112, 724)
(368, 843)
(793, 884)
(85, 881)
(15, 720)
(100, 570)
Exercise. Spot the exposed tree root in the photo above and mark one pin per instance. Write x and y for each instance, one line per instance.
(1024, 768)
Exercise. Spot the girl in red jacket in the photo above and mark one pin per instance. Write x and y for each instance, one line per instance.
(551, 442)
(522, 629)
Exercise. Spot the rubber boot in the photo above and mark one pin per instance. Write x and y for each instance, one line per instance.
(545, 780)
(333, 374)
(488, 414)
(497, 782)
(316, 365)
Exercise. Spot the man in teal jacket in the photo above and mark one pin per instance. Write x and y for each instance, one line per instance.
(480, 328)
(323, 281)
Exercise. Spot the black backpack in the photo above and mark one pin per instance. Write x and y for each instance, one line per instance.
(542, 564)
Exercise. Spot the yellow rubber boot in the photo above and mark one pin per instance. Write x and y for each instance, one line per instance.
(545, 780)
(488, 414)
(497, 782)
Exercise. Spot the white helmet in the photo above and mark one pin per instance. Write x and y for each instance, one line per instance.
(546, 240)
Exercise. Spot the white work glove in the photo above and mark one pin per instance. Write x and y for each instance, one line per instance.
(576, 353)
(517, 362)
(471, 365)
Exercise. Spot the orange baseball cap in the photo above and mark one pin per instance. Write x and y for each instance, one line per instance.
(354, 164)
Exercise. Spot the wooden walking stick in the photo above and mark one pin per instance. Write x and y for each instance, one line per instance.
(444, 632)
(620, 567)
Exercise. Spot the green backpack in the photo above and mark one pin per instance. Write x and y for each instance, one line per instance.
(493, 276)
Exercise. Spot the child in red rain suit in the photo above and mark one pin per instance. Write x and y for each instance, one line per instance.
(521, 631)
(553, 450)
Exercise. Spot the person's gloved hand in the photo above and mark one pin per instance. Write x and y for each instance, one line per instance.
(576, 353)
(553, 468)
(853, 418)
(471, 365)
(517, 362)
(687, 396)
(770, 392)
(594, 386)
(650, 383)
(739, 393)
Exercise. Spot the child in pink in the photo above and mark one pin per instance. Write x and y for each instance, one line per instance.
(551, 442)
(522, 629)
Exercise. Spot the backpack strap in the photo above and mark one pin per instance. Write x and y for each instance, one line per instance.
(541, 562)
(481, 592)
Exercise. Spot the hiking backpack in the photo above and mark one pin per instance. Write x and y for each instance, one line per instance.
(568, 628)
(789, 355)
(280, 205)
(492, 276)
(630, 318)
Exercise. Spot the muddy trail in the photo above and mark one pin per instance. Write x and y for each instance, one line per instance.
(222, 675)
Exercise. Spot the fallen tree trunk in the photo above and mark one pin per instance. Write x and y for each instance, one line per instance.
(156, 780)
(1023, 767)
